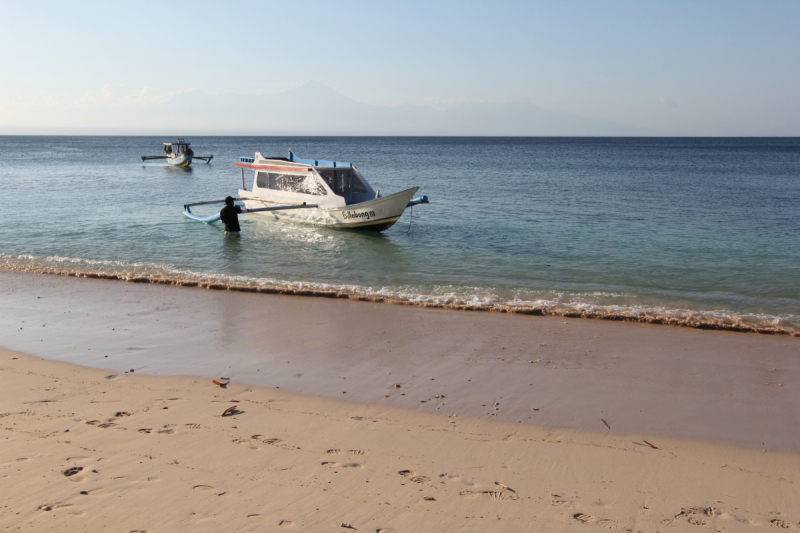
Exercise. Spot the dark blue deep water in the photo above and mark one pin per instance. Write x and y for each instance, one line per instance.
(698, 231)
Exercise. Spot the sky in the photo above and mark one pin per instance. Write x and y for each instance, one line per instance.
(674, 67)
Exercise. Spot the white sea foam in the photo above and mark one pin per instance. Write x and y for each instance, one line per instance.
(594, 304)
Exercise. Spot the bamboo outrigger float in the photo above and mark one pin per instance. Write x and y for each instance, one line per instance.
(179, 154)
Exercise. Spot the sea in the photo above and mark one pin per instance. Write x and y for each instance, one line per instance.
(700, 232)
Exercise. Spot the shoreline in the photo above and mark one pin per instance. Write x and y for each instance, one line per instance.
(708, 386)
(87, 450)
(685, 318)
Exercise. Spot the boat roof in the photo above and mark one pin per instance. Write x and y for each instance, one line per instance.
(317, 162)
(179, 141)
(250, 162)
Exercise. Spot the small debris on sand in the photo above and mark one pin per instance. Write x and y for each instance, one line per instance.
(505, 487)
(72, 471)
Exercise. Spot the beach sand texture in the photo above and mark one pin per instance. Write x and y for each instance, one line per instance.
(85, 450)
(442, 432)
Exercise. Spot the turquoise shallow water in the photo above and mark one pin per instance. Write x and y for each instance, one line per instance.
(688, 231)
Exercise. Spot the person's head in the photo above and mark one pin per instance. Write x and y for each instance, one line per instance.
(228, 201)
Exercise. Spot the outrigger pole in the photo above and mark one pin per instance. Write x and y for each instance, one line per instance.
(206, 158)
(187, 212)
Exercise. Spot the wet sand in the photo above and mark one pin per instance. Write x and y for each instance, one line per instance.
(711, 386)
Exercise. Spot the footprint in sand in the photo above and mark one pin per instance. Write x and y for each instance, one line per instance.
(560, 501)
(193, 426)
(352, 465)
(106, 425)
(583, 518)
(780, 523)
(121, 414)
(145, 430)
(352, 452)
(203, 487)
(499, 495)
(609, 524)
(166, 431)
(420, 479)
(247, 442)
(695, 515)
(69, 472)
(266, 440)
(286, 523)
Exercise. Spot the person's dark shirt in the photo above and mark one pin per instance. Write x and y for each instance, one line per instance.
(229, 217)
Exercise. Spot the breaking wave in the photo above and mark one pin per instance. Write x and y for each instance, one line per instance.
(574, 305)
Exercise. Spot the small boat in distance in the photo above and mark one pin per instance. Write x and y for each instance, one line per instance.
(328, 193)
(178, 154)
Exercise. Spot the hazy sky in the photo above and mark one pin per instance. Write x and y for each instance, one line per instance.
(678, 67)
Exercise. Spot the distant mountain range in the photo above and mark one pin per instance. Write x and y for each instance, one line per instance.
(315, 109)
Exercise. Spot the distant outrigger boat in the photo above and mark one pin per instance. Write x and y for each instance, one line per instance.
(329, 193)
(178, 154)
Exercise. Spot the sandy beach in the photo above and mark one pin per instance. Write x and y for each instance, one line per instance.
(380, 417)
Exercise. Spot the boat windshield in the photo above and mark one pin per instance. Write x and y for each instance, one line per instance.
(343, 182)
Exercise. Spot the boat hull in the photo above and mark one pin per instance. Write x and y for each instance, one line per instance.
(181, 161)
(375, 215)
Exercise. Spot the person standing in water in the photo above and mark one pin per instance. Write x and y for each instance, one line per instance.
(229, 217)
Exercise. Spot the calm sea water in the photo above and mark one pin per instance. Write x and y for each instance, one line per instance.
(695, 231)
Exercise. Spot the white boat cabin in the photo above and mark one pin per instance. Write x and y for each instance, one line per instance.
(177, 148)
(292, 180)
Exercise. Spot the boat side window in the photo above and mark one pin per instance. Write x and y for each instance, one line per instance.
(358, 184)
(328, 177)
(262, 180)
(343, 182)
(304, 184)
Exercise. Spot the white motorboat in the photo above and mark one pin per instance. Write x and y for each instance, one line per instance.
(328, 193)
(178, 154)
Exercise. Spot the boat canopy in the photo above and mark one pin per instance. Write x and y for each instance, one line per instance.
(180, 147)
(180, 142)
(318, 162)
